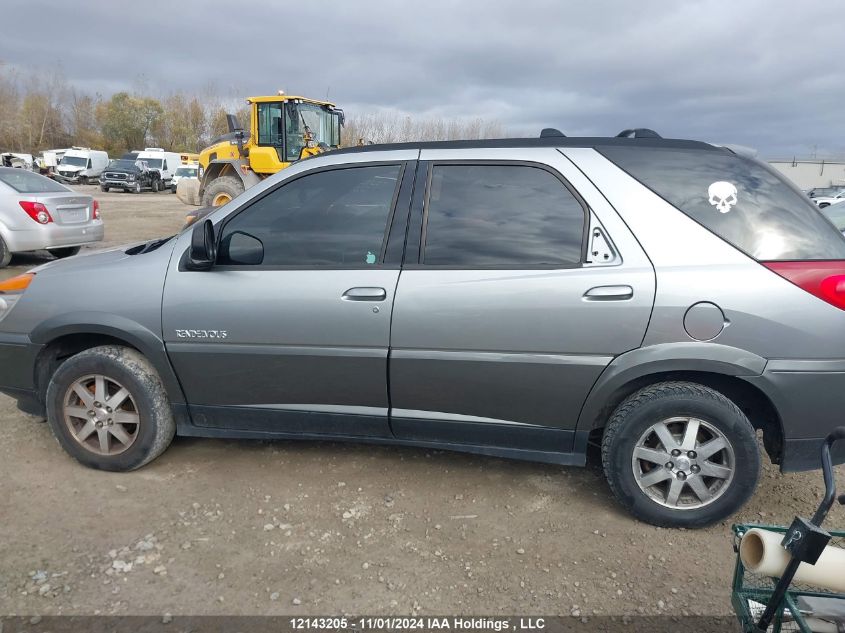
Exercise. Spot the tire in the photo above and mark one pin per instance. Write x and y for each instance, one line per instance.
(5, 254)
(155, 186)
(121, 368)
(822, 205)
(61, 253)
(680, 408)
(136, 188)
(104, 189)
(83, 180)
(221, 188)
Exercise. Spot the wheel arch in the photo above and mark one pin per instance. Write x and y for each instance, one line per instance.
(228, 167)
(72, 333)
(706, 364)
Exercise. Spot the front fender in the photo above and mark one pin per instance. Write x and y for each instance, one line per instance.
(656, 359)
(118, 327)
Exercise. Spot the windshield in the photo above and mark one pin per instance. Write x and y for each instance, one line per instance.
(152, 163)
(24, 181)
(74, 161)
(122, 164)
(322, 123)
(187, 172)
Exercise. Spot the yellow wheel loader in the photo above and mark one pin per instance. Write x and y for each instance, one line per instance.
(282, 129)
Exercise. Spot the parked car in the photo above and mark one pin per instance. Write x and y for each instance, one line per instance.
(130, 175)
(664, 300)
(824, 201)
(38, 213)
(836, 214)
(183, 171)
(165, 162)
(825, 192)
(81, 165)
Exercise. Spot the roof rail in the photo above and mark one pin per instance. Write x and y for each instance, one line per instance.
(638, 132)
(550, 131)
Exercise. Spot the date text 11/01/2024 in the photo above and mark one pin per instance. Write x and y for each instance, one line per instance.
(417, 623)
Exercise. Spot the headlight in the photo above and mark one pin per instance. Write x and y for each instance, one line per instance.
(11, 290)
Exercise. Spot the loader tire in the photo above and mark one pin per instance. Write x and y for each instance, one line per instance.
(222, 190)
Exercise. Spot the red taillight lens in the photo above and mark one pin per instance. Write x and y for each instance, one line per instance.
(95, 210)
(36, 211)
(825, 280)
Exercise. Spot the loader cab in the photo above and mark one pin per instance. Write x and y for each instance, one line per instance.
(289, 129)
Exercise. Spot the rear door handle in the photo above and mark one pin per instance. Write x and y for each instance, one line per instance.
(365, 294)
(609, 293)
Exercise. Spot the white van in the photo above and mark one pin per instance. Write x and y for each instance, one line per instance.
(184, 172)
(82, 165)
(165, 162)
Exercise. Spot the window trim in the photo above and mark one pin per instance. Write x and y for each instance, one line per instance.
(379, 265)
(585, 209)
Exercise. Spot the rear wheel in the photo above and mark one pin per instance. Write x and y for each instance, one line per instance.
(5, 254)
(108, 409)
(222, 190)
(61, 253)
(679, 454)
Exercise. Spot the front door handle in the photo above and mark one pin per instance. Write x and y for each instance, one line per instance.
(609, 293)
(365, 294)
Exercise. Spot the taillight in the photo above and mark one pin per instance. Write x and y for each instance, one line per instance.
(823, 279)
(95, 210)
(36, 211)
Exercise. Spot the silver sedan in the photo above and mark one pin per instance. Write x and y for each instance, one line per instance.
(38, 213)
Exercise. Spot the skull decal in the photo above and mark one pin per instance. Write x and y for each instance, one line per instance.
(722, 195)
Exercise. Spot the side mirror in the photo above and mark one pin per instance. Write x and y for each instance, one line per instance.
(203, 251)
(241, 248)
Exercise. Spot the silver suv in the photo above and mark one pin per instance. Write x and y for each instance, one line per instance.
(524, 298)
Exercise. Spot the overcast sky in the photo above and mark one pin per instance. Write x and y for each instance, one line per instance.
(766, 74)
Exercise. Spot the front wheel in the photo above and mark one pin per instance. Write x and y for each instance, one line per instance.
(136, 188)
(155, 186)
(221, 191)
(108, 409)
(104, 189)
(679, 454)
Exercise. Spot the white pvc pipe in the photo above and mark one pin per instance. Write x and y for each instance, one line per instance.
(762, 553)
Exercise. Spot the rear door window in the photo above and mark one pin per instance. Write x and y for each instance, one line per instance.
(741, 200)
(501, 216)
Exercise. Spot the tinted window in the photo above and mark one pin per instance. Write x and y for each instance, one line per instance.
(328, 218)
(24, 181)
(501, 215)
(741, 200)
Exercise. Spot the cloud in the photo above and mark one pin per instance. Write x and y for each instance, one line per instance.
(757, 73)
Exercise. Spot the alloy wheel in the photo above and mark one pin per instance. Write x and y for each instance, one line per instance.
(101, 415)
(683, 463)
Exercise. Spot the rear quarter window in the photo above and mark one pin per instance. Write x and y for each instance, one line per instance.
(741, 200)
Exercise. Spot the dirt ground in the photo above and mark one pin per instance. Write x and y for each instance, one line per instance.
(240, 527)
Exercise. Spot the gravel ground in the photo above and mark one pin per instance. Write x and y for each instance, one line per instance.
(241, 527)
